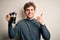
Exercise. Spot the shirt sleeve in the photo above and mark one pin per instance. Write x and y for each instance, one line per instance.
(45, 33)
(12, 32)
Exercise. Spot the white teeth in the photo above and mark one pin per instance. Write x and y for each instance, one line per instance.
(30, 14)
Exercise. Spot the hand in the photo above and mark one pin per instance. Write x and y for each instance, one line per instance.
(39, 19)
(8, 17)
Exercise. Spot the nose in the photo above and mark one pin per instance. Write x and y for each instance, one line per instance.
(29, 11)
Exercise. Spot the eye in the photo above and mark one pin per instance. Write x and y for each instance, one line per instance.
(27, 9)
(32, 9)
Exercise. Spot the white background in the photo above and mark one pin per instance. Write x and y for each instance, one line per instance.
(49, 8)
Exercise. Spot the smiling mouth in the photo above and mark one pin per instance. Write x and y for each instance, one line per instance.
(30, 14)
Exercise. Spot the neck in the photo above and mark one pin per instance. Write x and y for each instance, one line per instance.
(30, 18)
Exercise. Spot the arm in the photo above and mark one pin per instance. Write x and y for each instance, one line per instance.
(45, 33)
(12, 32)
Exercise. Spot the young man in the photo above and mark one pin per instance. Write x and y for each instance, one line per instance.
(29, 28)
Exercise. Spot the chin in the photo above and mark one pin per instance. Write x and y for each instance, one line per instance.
(30, 16)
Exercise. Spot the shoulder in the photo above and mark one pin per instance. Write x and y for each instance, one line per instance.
(20, 22)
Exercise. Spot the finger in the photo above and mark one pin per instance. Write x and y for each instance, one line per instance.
(7, 17)
(41, 14)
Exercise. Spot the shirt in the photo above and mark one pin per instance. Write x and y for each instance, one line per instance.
(28, 29)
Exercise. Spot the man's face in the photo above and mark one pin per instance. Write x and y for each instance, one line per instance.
(30, 12)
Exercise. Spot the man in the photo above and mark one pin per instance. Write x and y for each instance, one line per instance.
(29, 28)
